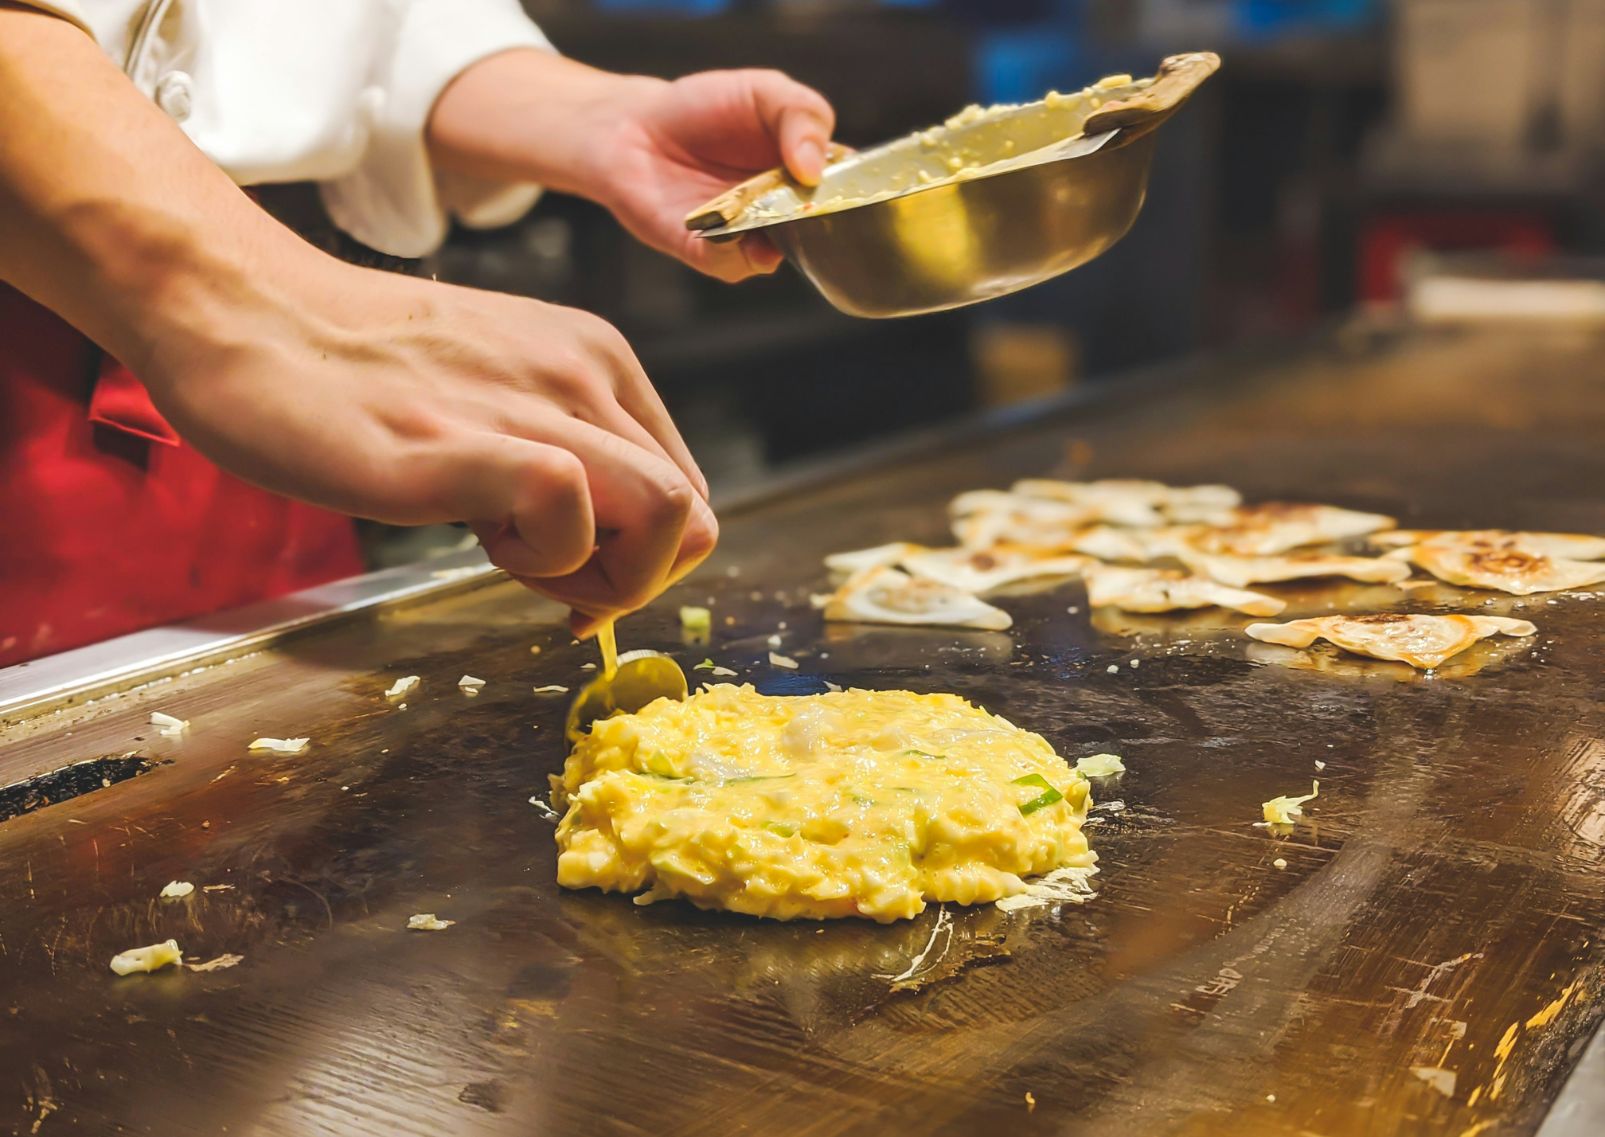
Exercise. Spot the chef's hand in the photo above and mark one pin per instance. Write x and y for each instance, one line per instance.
(688, 141)
(651, 151)
(413, 402)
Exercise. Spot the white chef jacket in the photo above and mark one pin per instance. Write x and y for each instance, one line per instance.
(332, 91)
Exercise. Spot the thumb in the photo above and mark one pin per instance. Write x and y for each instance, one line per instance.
(800, 120)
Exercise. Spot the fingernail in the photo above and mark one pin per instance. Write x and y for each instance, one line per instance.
(808, 160)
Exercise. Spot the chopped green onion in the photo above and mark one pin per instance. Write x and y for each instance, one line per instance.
(1046, 798)
(780, 829)
(925, 754)
(757, 778)
(705, 665)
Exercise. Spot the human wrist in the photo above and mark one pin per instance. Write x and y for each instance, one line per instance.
(179, 299)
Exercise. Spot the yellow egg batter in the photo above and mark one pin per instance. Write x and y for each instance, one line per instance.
(853, 803)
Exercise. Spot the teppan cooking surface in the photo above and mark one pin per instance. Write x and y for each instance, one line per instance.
(1428, 961)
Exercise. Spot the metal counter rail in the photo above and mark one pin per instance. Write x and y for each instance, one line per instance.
(1429, 960)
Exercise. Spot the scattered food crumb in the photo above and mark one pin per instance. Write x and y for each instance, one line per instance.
(401, 706)
(1074, 609)
(774, 640)
(1135, 662)
(733, 571)
(1438, 1078)
(217, 888)
(428, 922)
(544, 808)
(1113, 668)
(1030, 1102)
(1270, 1097)
(471, 684)
(279, 745)
(221, 963)
(551, 689)
(1280, 862)
(534, 649)
(782, 660)
(587, 667)
(829, 686)
(168, 726)
(176, 889)
(147, 959)
(401, 686)
(781, 625)
(1320, 765)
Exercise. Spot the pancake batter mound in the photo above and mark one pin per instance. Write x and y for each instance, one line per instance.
(852, 803)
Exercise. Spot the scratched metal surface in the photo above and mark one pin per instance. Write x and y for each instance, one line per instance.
(1443, 911)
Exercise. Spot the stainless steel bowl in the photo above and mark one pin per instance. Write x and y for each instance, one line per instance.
(985, 205)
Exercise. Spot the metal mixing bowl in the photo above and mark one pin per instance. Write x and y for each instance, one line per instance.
(987, 204)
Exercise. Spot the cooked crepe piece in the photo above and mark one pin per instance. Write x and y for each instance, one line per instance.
(1001, 501)
(981, 570)
(1275, 527)
(852, 803)
(988, 528)
(860, 559)
(1576, 546)
(1420, 641)
(1132, 501)
(1502, 569)
(1243, 571)
(886, 595)
(1167, 590)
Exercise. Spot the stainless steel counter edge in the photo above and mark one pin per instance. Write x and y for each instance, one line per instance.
(1579, 1108)
(83, 673)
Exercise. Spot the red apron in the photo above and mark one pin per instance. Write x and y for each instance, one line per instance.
(108, 522)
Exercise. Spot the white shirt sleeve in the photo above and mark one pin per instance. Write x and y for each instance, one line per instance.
(332, 91)
(394, 200)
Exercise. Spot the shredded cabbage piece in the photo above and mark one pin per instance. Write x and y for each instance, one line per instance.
(428, 922)
(1287, 810)
(1100, 765)
(177, 890)
(401, 686)
(279, 745)
(147, 959)
(696, 622)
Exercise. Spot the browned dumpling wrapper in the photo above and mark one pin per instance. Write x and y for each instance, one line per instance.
(887, 595)
(1243, 571)
(1167, 590)
(982, 570)
(1276, 527)
(1134, 501)
(1502, 569)
(1575, 546)
(1421, 641)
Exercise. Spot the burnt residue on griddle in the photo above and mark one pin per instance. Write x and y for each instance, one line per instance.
(69, 782)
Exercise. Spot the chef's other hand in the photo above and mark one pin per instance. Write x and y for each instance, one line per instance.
(690, 140)
(649, 150)
(413, 402)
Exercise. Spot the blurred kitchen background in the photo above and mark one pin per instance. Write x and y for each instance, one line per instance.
(1353, 156)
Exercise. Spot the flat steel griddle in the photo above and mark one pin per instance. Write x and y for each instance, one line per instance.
(1445, 910)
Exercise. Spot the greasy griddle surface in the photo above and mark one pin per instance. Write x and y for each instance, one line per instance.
(1452, 883)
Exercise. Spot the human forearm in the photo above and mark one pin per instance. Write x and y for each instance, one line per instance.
(110, 216)
(532, 116)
